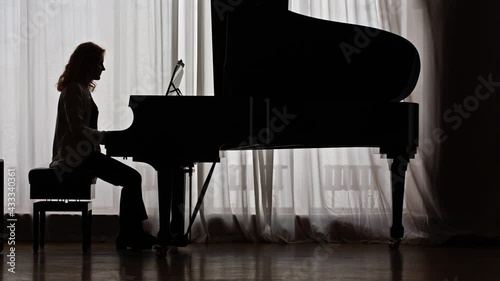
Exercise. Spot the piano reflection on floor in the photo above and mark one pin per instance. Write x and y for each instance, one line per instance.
(266, 60)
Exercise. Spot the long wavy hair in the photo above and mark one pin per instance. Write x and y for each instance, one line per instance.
(84, 58)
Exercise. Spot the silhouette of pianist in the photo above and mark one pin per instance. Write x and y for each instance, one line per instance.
(77, 140)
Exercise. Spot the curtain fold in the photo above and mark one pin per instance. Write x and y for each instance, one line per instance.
(278, 196)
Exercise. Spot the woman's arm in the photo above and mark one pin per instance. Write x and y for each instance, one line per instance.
(76, 108)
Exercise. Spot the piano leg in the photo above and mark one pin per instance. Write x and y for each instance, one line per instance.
(398, 171)
(171, 198)
(177, 223)
(165, 182)
(171, 201)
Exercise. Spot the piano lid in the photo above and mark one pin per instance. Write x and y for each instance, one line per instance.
(262, 49)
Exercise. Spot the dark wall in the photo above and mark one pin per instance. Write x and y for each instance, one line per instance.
(469, 174)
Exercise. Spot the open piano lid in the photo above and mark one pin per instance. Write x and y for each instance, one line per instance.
(262, 49)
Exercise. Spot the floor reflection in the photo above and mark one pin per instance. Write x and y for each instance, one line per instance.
(256, 261)
(396, 264)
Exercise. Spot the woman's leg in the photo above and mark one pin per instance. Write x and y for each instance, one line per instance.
(132, 209)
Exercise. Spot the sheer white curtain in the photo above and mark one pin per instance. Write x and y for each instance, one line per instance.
(143, 41)
(331, 194)
(282, 195)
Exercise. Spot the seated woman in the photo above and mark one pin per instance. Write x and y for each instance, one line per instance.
(77, 140)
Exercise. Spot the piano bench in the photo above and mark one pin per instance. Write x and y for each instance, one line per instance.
(69, 193)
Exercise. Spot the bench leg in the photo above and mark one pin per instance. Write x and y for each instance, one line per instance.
(36, 227)
(42, 229)
(89, 230)
(85, 222)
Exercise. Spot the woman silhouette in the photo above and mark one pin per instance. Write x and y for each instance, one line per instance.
(77, 140)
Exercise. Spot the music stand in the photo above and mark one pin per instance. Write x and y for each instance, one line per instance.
(175, 81)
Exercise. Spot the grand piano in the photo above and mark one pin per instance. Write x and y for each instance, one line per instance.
(282, 80)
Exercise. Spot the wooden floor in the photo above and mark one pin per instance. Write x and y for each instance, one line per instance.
(256, 262)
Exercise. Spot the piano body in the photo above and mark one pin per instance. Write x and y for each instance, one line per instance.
(282, 80)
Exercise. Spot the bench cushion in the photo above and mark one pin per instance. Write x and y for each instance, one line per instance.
(47, 183)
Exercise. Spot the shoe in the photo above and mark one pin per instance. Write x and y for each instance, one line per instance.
(143, 241)
(122, 241)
